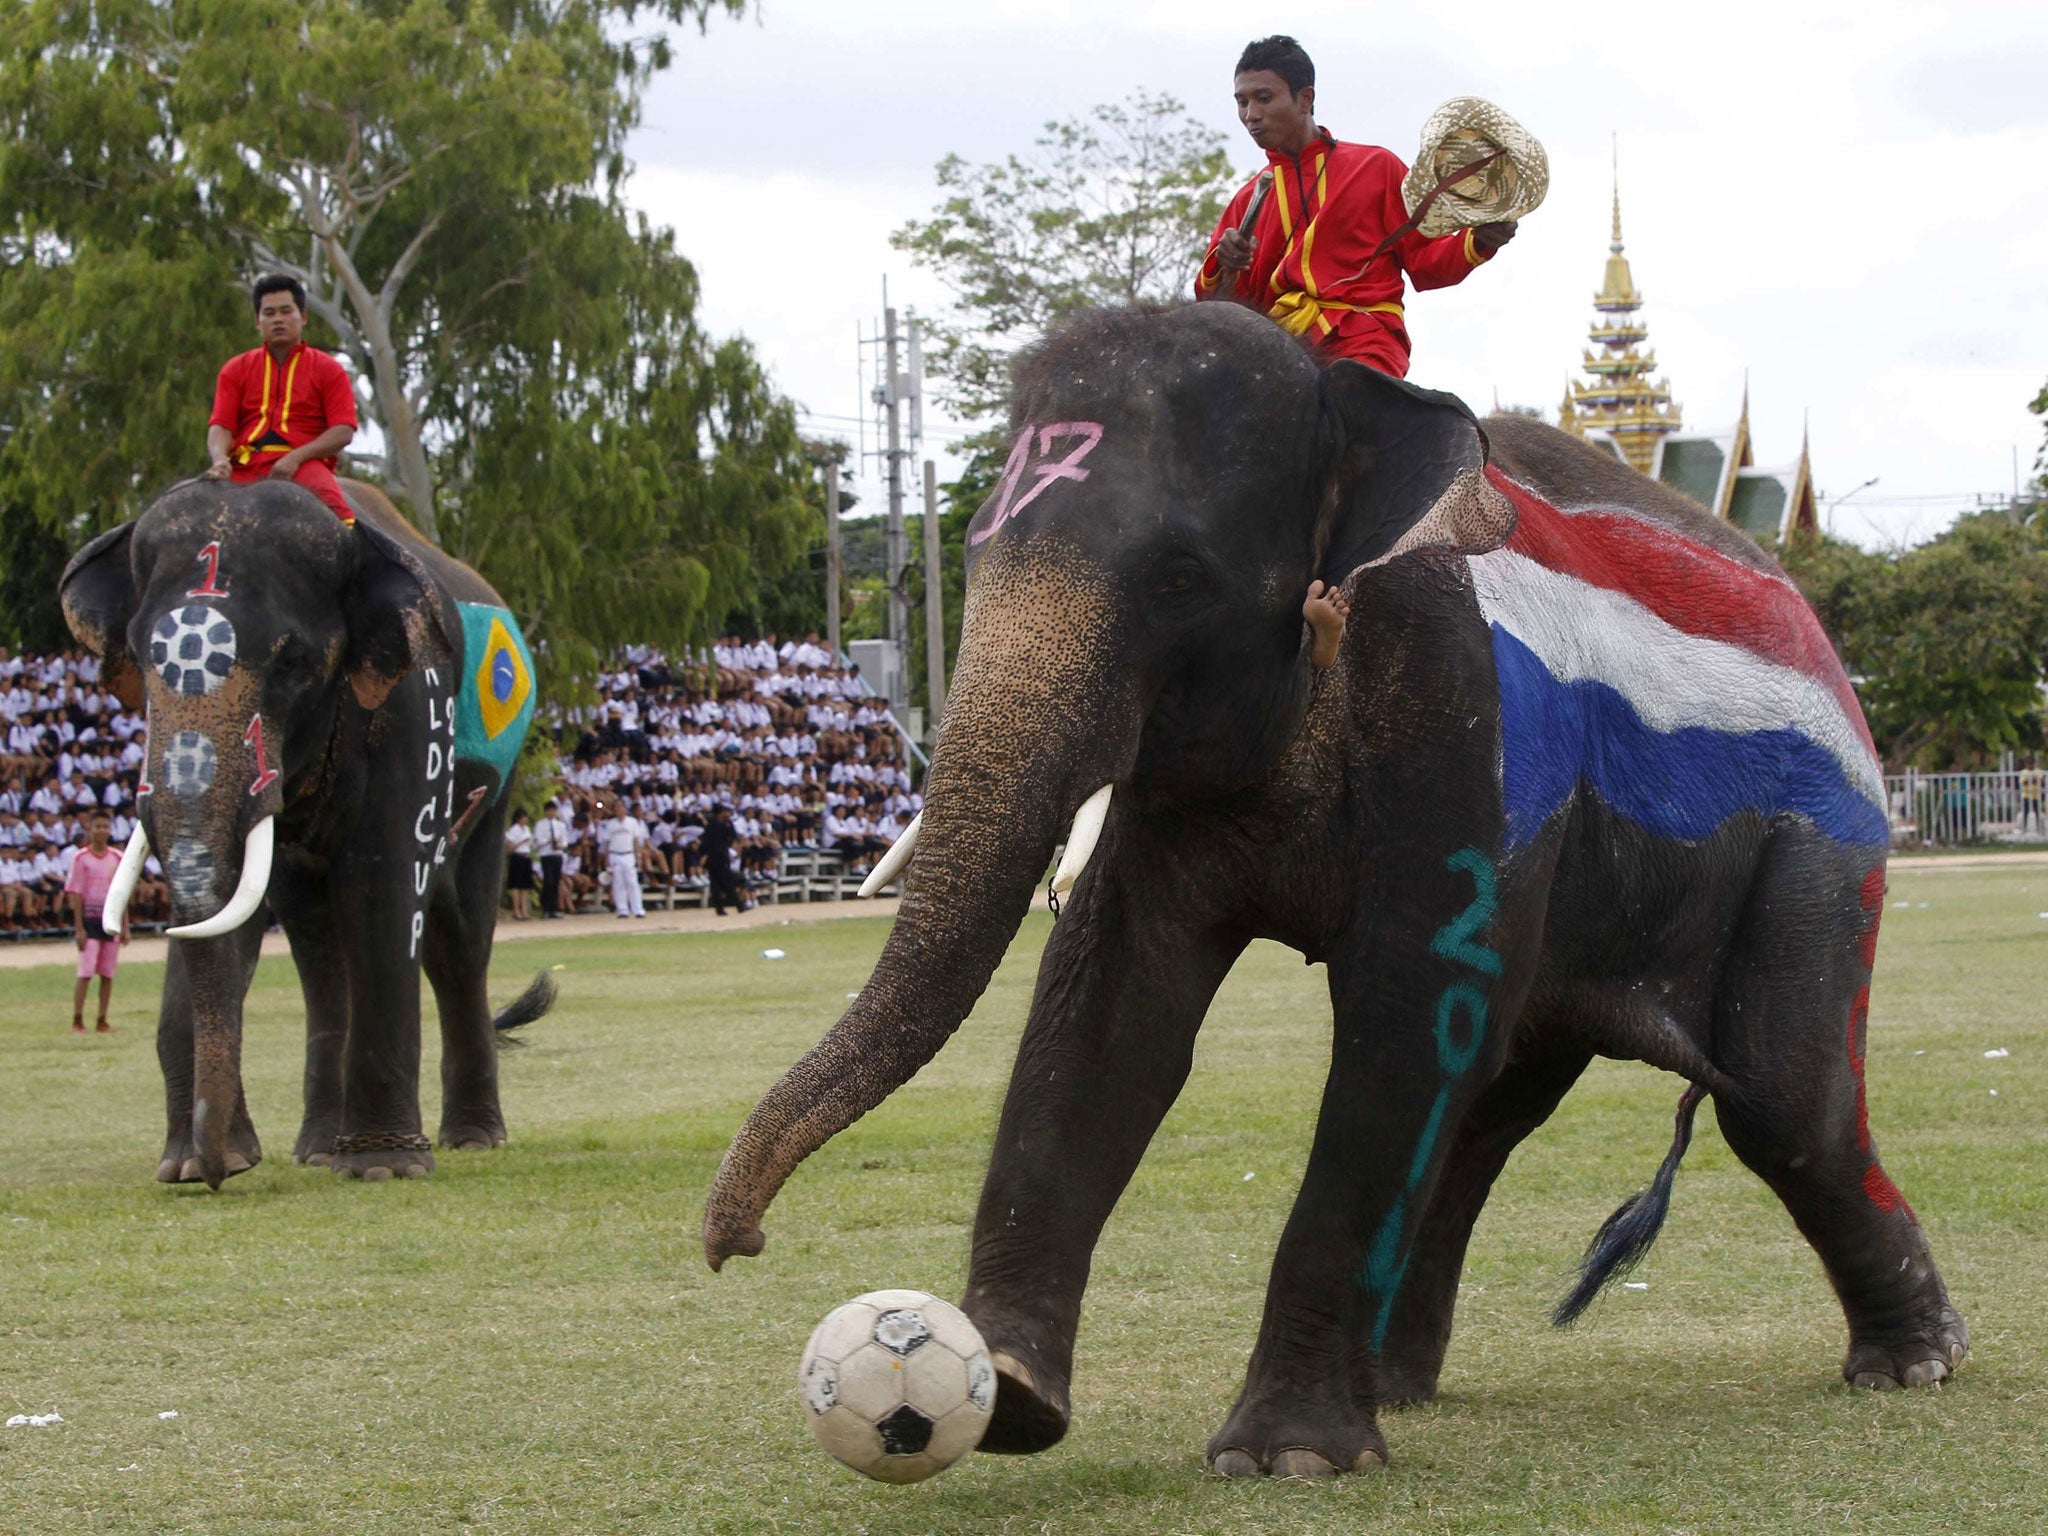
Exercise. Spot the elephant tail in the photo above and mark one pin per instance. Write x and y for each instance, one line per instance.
(529, 1005)
(1625, 1237)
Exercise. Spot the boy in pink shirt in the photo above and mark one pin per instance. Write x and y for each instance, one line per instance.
(99, 952)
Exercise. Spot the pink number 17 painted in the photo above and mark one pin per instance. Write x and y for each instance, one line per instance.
(1007, 502)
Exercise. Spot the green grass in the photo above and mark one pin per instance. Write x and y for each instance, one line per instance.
(529, 1341)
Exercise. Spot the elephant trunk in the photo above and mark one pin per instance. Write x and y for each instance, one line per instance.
(217, 848)
(1039, 717)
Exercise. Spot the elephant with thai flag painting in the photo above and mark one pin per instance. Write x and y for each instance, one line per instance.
(335, 712)
(1585, 779)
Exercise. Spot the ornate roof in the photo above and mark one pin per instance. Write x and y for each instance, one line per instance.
(1620, 399)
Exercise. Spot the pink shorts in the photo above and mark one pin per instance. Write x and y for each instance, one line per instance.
(100, 957)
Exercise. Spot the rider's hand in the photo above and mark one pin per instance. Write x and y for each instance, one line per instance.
(1234, 251)
(286, 466)
(219, 469)
(1488, 238)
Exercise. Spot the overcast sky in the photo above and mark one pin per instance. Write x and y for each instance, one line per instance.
(1849, 202)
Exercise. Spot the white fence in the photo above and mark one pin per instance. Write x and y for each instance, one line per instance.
(1942, 810)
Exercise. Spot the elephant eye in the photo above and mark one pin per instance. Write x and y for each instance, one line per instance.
(1179, 577)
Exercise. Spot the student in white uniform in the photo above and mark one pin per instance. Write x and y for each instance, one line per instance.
(622, 836)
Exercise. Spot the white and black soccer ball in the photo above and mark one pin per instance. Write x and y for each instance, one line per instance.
(897, 1385)
(193, 649)
(189, 765)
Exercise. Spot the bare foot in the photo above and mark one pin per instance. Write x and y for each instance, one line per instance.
(1326, 611)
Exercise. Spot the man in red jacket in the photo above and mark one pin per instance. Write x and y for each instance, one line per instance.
(283, 410)
(1309, 260)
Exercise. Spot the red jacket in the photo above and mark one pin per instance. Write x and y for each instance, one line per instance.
(1330, 207)
(273, 409)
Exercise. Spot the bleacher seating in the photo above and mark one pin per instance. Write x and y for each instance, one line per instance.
(811, 765)
(66, 749)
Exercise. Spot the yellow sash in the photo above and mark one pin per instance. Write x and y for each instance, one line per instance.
(1295, 311)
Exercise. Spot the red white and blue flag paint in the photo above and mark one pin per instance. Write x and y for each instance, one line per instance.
(1683, 687)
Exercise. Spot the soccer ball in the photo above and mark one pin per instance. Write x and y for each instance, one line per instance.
(193, 649)
(189, 765)
(897, 1384)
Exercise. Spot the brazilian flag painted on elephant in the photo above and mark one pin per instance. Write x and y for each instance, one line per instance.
(496, 703)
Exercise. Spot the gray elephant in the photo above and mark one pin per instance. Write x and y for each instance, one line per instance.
(1585, 779)
(335, 711)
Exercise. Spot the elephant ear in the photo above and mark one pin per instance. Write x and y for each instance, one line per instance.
(1409, 474)
(400, 618)
(97, 590)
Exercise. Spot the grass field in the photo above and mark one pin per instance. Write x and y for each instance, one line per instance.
(529, 1341)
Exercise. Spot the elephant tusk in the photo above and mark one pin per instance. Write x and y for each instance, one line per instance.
(891, 863)
(133, 857)
(255, 883)
(1081, 841)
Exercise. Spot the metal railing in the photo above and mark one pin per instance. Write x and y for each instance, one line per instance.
(1945, 810)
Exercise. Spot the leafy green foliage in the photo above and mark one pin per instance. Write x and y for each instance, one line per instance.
(1113, 208)
(1947, 642)
(2039, 406)
(32, 559)
(445, 178)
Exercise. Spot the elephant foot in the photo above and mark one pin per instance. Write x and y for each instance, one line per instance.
(1296, 1439)
(471, 1133)
(180, 1162)
(1878, 1364)
(1032, 1410)
(315, 1146)
(375, 1157)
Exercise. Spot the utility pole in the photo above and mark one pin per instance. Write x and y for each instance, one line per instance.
(897, 387)
(934, 608)
(893, 402)
(834, 572)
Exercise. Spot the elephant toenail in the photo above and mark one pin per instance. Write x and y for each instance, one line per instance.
(376, 1175)
(1369, 1460)
(167, 1171)
(1300, 1463)
(1235, 1463)
(1925, 1372)
(1875, 1381)
(415, 1170)
(189, 1171)
(238, 1163)
(1956, 1353)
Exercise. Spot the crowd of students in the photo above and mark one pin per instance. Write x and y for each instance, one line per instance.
(696, 772)
(70, 750)
(700, 771)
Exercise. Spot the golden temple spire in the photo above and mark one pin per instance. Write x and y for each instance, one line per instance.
(1620, 402)
(1616, 246)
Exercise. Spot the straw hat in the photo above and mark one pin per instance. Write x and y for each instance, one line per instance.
(1461, 131)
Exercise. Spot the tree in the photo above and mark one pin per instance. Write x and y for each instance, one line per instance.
(1113, 208)
(2039, 490)
(445, 177)
(31, 560)
(1947, 643)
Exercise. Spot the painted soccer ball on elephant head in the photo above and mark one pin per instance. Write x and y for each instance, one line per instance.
(897, 1385)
